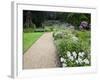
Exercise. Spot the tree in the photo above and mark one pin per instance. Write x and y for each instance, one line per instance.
(76, 18)
(38, 17)
(28, 19)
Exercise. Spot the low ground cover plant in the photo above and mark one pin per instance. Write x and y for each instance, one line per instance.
(73, 47)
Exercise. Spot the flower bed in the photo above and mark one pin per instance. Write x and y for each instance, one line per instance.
(73, 47)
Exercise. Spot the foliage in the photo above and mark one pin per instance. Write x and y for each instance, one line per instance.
(57, 35)
(48, 28)
(73, 59)
(84, 25)
(76, 18)
(28, 30)
(61, 33)
(38, 17)
(39, 30)
(71, 40)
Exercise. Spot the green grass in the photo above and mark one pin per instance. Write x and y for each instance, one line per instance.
(30, 38)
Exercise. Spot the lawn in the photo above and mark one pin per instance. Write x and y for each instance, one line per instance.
(30, 38)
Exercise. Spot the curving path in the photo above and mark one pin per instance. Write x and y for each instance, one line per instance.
(42, 53)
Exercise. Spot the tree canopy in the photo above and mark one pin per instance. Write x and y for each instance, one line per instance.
(38, 17)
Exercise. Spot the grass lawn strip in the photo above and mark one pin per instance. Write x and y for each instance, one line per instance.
(30, 38)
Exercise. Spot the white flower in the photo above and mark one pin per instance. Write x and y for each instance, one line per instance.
(69, 34)
(77, 61)
(81, 54)
(64, 64)
(74, 54)
(80, 60)
(62, 59)
(86, 61)
(75, 39)
(68, 54)
(71, 58)
(58, 33)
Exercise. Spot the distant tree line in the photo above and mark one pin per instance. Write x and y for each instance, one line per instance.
(36, 18)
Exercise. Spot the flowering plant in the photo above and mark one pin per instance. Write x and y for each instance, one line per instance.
(74, 59)
(84, 25)
(73, 47)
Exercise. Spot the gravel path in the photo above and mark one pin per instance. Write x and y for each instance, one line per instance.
(42, 54)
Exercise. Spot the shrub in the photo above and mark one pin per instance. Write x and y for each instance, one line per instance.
(73, 43)
(39, 30)
(58, 35)
(28, 30)
(73, 59)
(33, 26)
(48, 28)
(69, 44)
(84, 37)
(63, 33)
(84, 25)
(83, 34)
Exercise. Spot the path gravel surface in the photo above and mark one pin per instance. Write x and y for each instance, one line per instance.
(42, 54)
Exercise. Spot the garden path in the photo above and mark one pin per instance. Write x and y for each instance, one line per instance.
(42, 54)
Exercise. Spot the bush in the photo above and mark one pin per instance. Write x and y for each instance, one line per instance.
(33, 26)
(48, 29)
(39, 30)
(28, 30)
(27, 25)
(73, 59)
(84, 37)
(57, 35)
(64, 45)
(84, 25)
(63, 33)
(83, 34)
(73, 41)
